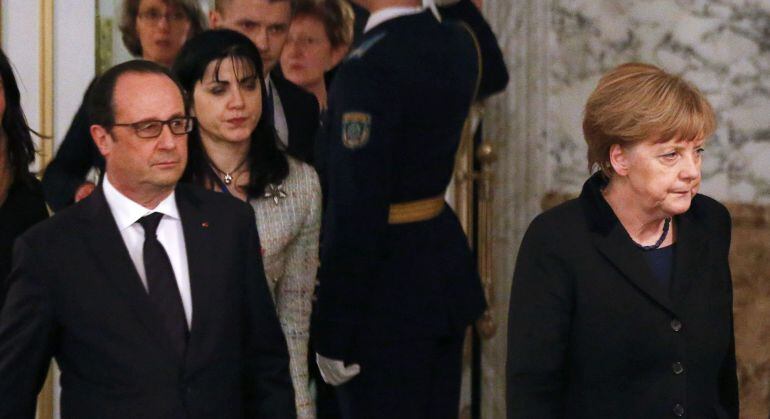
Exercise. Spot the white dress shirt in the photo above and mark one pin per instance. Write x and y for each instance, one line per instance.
(279, 116)
(388, 13)
(127, 214)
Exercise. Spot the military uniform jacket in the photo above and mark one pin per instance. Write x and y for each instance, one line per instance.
(593, 334)
(396, 110)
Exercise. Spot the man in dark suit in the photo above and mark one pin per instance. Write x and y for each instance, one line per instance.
(150, 295)
(398, 284)
(266, 22)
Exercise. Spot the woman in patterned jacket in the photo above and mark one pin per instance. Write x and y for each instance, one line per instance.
(234, 149)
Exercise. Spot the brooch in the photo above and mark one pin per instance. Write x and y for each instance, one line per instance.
(276, 193)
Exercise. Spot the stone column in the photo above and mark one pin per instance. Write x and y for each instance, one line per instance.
(516, 123)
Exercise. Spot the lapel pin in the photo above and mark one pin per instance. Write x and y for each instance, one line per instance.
(205, 224)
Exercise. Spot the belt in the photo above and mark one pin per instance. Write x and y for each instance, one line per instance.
(415, 211)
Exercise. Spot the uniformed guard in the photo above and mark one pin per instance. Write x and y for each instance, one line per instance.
(398, 281)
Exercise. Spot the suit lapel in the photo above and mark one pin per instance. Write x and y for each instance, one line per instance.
(690, 257)
(111, 256)
(618, 248)
(199, 248)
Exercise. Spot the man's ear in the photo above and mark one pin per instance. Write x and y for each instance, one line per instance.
(619, 159)
(214, 19)
(102, 139)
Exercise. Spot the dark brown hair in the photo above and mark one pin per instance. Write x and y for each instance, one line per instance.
(20, 149)
(267, 163)
(191, 9)
(101, 96)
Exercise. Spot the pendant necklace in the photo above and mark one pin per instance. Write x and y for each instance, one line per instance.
(227, 177)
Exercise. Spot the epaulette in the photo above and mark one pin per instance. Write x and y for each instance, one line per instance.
(365, 46)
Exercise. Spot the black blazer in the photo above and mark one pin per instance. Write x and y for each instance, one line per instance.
(592, 334)
(302, 117)
(76, 296)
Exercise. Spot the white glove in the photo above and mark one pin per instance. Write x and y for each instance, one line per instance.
(431, 5)
(335, 372)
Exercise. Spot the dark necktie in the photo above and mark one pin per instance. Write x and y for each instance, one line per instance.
(161, 283)
(269, 108)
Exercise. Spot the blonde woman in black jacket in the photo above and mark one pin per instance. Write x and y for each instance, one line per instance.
(621, 305)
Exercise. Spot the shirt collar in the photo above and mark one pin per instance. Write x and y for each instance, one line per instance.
(127, 212)
(389, 13)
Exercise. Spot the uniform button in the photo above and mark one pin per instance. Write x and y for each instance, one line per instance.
(676, 325)
(677, 367)
(678, 410)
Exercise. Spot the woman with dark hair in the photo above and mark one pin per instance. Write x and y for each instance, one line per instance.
(233, 149)
(153, 30)
(21, 198)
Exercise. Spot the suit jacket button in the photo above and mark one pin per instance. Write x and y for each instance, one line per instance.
(676, 325)
(677, 367)
(678, 410)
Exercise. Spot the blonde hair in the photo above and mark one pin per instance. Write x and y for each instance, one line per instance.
(635, 102)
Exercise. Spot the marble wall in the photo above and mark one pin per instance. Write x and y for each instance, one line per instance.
(556, 50)
(515, 123)
(722, 46)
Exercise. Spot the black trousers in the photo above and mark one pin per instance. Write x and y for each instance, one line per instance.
(405, 380)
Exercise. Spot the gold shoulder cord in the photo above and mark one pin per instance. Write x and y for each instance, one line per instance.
(465, 138)
(478, 59)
